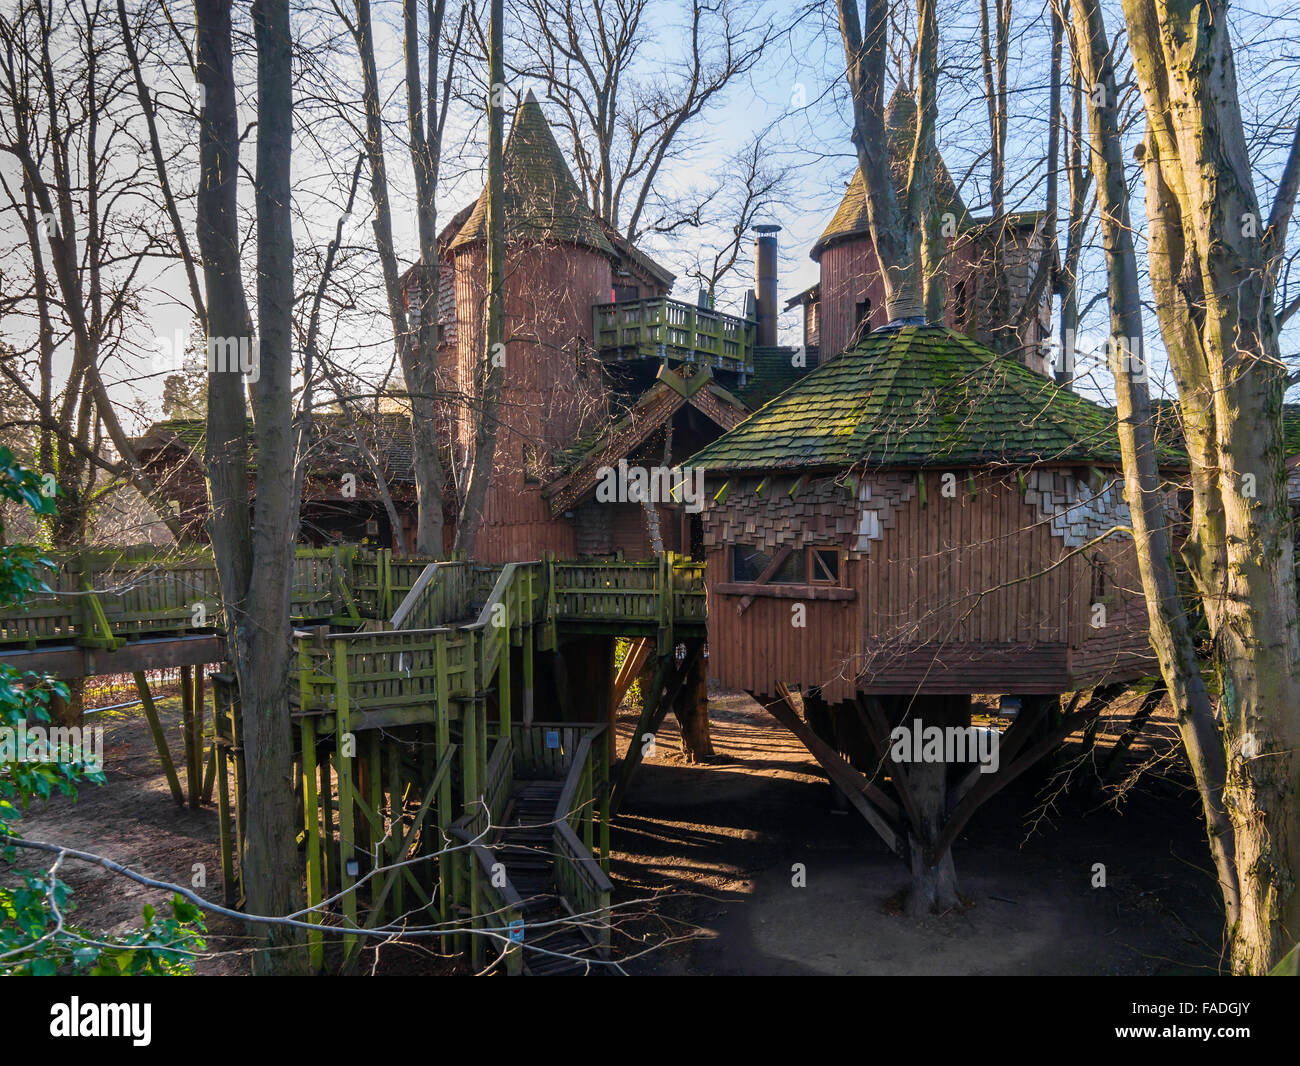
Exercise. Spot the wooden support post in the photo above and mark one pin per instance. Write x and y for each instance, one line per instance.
(375, 798)
(859, 791)
(396, 819)
(668, 682)
(329, 873)
(605, 761)
(344, 748)
(311, 825)
(442, 742)
(527, 654)
(222, 742)
(159, 737)
(503, 688)
(192, 768)
(196, 739)
(469, 794)
(692, 710)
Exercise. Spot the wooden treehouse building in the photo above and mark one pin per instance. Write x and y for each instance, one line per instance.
(895, 521)
(917, 521)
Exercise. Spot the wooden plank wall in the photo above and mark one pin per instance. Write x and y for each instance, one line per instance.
(960, 594)
(550, 397)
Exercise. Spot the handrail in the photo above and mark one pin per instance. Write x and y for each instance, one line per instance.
(105, 596)
(582, 884)
(505, 897)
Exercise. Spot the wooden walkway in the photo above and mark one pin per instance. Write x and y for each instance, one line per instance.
(414, 728)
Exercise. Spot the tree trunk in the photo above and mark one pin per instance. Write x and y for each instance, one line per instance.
(934, 888)
(417, 354)
(1170, 631)
(692, 710)
(1221, 332)
(895, 238)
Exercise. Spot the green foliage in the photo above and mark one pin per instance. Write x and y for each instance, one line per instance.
(36, 937)
(1288, 965)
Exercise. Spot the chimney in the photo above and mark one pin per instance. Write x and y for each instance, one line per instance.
(765, 283)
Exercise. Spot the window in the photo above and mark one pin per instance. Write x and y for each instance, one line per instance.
(749, 563)
(800, 566)
(824, 566)
(625, 293)
(532, 465)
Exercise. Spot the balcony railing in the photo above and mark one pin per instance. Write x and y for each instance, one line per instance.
(659, 328)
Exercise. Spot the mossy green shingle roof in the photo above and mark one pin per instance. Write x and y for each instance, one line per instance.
(542, 201)
(918, 396)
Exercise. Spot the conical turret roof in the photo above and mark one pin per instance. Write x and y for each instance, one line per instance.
(850, 218)
(542, 201)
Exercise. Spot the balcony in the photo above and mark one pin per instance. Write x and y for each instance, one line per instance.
(676, 332)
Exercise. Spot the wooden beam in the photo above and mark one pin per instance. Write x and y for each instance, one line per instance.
(991, 784)
(777, 560)
(159, 737)
(854, 785)
(878, 732)
(1145, 709)
(638, 652)
(669, 680)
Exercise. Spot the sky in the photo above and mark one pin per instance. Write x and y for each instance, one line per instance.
(796, 93)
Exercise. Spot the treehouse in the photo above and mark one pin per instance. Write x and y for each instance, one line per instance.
(600, 365)
(989, 267)
(920, 516)
(918, 520)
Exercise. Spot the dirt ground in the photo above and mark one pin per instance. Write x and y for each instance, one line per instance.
(705, 860)
(716, 847)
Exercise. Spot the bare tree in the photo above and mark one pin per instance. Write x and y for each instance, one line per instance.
(751, 188)
(625, 119)
(491, 367)
(254, 563)
(1211, 257)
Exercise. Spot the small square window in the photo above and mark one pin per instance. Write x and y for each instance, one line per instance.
(824, 566)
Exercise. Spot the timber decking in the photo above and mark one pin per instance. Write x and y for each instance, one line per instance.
(664, 329)
(117, 610)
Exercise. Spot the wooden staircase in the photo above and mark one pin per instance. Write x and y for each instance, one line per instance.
(554, 945)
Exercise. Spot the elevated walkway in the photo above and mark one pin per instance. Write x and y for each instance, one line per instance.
(413, 724)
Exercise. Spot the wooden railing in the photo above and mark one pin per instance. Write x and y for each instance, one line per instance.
(544, 751)
(584, 887)
(441, 594)
(659, 328)
(513, 604)
(103, 597)
(385, 677)
(493, 906)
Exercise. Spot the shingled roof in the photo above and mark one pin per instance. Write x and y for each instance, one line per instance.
(581, 464)
(333, 449)
(919, 396)
(850, 218)
(542, 201)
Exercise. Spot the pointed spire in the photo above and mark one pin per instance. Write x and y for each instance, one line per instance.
(850, 218)
(542, 201)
